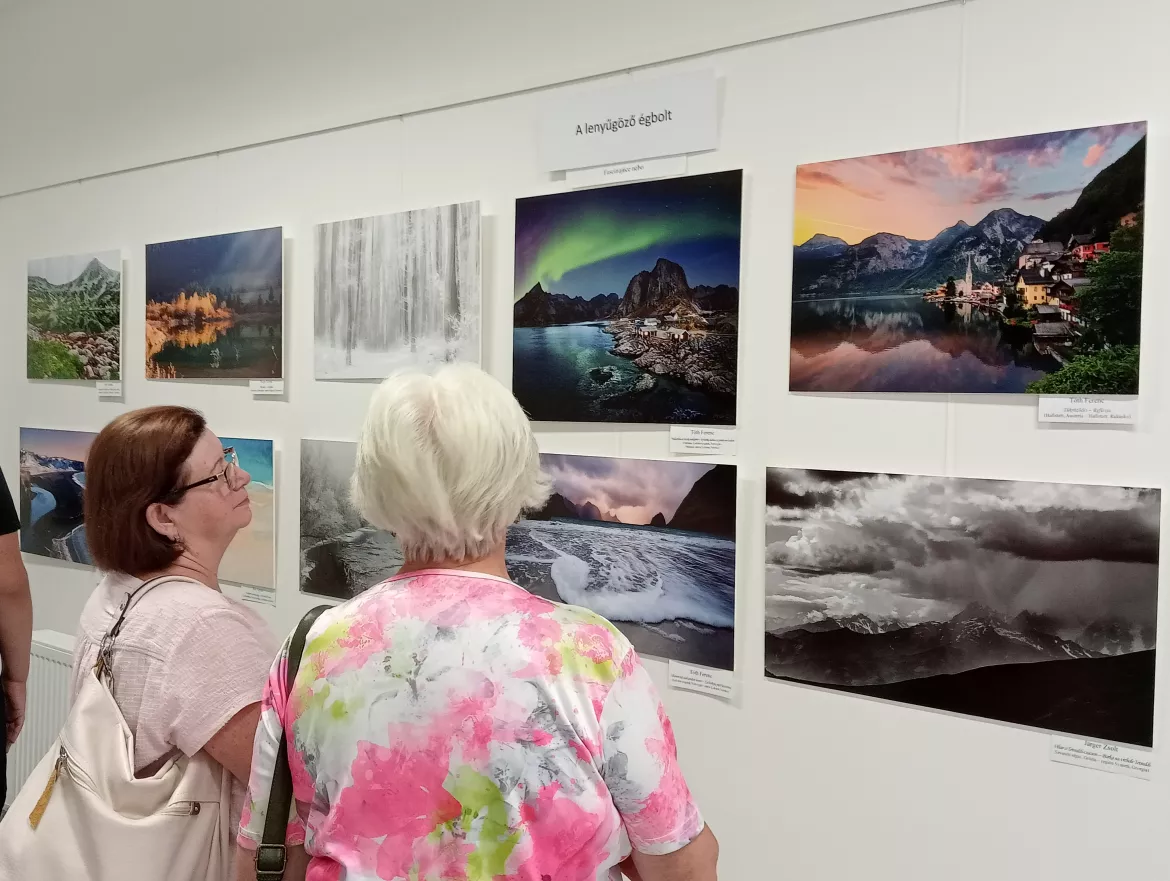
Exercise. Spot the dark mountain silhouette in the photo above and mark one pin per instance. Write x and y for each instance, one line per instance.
(976, 637)
(650, 293)
(556, 506)
(589, 511)
(889, 262)
(657, 291)
(538, 308)
(721, 298)
(1116, 191)
(1100, 698)
(658, 520)
(710, 505)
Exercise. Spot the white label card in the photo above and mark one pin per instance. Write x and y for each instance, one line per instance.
(1101, 756)
(671, 166)
(704, 680)
(253, 596)
(110, 389)
(635, 119)
(703, 440)
(267, 386)
(1088, 411)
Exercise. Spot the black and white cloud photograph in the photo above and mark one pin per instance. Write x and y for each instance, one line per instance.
(1014, 601)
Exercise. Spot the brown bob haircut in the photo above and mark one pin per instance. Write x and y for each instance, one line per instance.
(135, 461)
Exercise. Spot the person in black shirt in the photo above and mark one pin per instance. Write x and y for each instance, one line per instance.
(15, 629)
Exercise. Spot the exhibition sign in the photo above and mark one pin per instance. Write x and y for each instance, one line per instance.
(638, 119)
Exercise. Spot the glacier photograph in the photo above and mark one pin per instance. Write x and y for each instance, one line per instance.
(52, 490)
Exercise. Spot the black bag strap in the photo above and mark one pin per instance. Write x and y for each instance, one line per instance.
(271, 855)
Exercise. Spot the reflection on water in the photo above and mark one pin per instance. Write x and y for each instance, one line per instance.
(566, 373)
(903, 344)
(218, 348)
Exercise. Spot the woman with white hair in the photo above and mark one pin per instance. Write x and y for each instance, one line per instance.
(446, 724)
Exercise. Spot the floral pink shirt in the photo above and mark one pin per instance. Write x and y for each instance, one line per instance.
(450, 725)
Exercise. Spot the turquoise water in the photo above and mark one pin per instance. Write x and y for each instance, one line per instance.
(567, 374)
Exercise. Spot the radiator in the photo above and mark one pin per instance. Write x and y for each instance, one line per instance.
(48, 704)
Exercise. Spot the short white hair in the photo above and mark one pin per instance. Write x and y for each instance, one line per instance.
(446, 462)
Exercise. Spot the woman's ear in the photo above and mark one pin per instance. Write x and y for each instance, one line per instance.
(158, 516)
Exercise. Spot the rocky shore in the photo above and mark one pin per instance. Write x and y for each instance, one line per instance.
(704, 361)
(99, 354)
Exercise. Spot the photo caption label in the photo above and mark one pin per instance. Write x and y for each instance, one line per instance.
(1102, 756)
(705, 440)
(622, 172)
(109, 389)
(266, 386)
(253, 596)
(703, 680)
(1088, 410)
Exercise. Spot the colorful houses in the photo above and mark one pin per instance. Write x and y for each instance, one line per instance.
(1032, 288)
(1036, 253)
(1083, 248)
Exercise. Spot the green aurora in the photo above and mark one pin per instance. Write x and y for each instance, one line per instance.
(603, 234)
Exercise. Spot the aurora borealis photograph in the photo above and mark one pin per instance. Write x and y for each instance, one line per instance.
(626, 302)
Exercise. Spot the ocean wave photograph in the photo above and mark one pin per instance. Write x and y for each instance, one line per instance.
(648, 544)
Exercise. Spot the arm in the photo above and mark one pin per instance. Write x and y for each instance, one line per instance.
(693, 862)
(669, 839)
(231, 746)
(15, 631)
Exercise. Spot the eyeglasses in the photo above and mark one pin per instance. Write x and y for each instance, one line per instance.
(230, 475)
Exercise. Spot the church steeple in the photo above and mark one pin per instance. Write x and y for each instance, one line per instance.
(970, 284)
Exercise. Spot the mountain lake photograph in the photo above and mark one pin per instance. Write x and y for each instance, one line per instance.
(1029, 603)
(626, 302)
(1003, 266)
(214, 307)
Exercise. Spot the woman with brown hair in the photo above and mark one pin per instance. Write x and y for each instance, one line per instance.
(164, 499)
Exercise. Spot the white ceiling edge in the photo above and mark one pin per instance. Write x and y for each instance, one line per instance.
(136, 83)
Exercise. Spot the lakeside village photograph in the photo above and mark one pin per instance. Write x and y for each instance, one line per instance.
(894, 291)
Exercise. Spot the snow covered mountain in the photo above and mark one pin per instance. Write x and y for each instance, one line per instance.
(886, 261)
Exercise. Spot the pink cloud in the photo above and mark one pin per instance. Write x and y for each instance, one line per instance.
(809, 177)
(993, 184)
(1096, 151)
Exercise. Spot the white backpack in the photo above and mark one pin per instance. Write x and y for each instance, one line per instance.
(83, 815)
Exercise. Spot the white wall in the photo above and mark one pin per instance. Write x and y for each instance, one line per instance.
(90, 88)
(798, 783)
